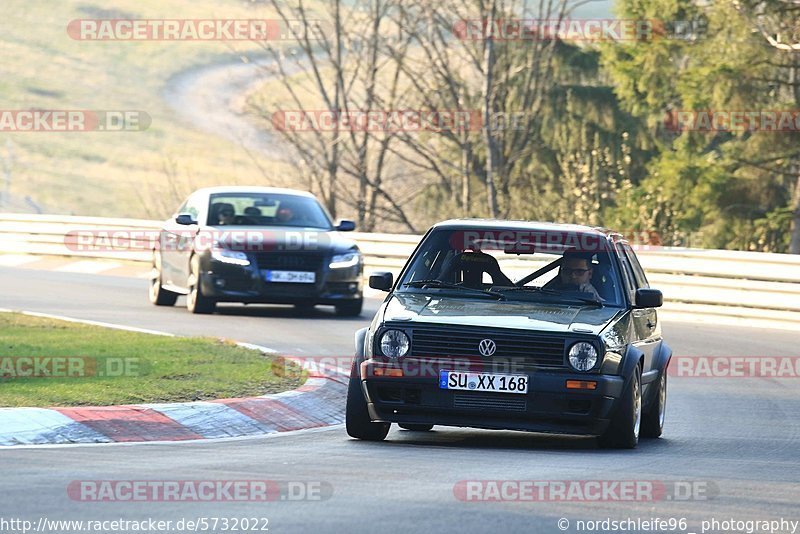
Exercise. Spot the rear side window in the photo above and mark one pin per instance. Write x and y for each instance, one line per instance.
(638, 272)
(627, 271)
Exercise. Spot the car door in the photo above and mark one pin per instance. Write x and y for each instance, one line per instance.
(177, 240)
(645, 320)
(195, 208)
(167, 244)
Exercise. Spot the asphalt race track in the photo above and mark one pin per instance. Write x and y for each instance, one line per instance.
(735, 440)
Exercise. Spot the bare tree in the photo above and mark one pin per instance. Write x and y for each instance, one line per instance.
(469, 67)
(319, 48)
(341, 61)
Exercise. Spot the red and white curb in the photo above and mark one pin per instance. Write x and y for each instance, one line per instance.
(78, 265)
(319, 402)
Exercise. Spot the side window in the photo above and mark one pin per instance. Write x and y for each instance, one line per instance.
(192, 207)
(638, 272)
(627, 272)
(182, 209)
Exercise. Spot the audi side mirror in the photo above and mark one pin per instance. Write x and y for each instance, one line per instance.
(345, 226)
(185, 219)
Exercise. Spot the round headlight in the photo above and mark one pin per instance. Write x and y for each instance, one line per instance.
(582, 356)
(394, 343)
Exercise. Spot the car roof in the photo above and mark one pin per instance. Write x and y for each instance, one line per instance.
(252, 189)
(491, 224)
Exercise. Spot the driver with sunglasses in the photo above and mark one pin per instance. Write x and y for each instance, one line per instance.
(575, 274)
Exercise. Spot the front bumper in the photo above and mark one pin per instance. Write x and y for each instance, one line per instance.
(233, 283)
(547, 407)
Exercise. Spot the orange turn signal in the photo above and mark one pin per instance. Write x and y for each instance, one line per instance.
(581, 384)
(387, 371)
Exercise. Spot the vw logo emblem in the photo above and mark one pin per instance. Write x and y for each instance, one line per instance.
(487, 347)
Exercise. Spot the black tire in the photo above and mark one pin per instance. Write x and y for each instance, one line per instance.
(158, 295)
(416, 428)
(358, 423)
(350, 308)
(196, 301)
(623, 432)
(653, 420)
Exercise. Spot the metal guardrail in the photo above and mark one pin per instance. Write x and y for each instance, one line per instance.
(756, 284)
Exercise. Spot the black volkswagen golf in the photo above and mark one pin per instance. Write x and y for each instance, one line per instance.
(514, 325)
(256, 245)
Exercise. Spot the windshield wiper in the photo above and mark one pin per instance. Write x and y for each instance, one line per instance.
(448, 285)
(588, 300)
(537, 289)
(555, 292)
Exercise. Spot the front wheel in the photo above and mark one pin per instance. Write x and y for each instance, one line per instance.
(623, 432)
(358, 423)
(653, 420)
(196, 301)
(158, 295)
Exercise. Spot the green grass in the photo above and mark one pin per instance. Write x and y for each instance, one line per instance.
(116, 174)
(162, 369)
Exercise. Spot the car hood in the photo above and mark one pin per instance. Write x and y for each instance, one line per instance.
(282, 237)
(527, 315)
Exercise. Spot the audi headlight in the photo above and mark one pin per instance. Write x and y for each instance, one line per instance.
(582, 356)
(394, 344)
(342, 261)
(234, 257)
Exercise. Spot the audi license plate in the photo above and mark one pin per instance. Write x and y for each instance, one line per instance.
(483, 382)
(292, 277)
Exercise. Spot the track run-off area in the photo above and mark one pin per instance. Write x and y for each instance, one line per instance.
(728, 454)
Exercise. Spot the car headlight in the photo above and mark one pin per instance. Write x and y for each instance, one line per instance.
(395, 343)
(342, 261)
(582, 356)
(234, 257)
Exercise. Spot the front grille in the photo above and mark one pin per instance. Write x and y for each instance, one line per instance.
(289, 261)
(481, 401)
(434, 341)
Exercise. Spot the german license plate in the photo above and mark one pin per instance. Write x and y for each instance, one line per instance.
(292, 277)
(483, 382)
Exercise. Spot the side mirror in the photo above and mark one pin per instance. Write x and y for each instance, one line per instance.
(345, 226)
(185, 219)
(648, 298)
(382, 281)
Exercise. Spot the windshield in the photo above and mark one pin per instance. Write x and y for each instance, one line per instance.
(552, 266)
(266, 209)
